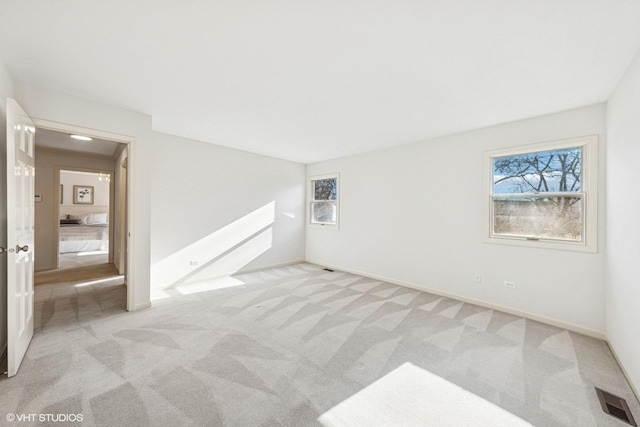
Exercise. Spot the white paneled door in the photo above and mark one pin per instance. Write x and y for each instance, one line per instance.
(20, 233)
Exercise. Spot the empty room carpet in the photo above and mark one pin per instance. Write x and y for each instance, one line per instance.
(300, 346)
(399, 398)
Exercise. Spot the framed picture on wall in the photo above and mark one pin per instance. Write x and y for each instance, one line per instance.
(83, 194)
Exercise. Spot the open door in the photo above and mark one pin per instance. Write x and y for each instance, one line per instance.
(20, 233)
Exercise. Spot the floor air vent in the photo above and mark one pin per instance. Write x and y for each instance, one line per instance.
(615, 406)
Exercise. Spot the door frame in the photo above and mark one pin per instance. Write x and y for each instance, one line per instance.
(131, 146)
(122, 227)
(56, 209)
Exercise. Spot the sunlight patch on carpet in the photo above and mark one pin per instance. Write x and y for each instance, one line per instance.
(411, 396)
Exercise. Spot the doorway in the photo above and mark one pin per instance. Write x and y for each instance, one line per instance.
(22, 226)
(81, 181)
(85, 217)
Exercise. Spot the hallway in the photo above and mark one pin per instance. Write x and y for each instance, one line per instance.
(72, 298)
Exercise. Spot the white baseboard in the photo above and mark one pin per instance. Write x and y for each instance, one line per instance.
(633, 386)
(43, 269)
(228, 273)
(282, 264)
(549, 321)
(142, 305)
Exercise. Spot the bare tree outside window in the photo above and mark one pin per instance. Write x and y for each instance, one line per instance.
(539, 195)
(324, 204)
(325, 189)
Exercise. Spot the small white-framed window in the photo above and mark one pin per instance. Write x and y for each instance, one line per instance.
(543, 195)
(324, 204)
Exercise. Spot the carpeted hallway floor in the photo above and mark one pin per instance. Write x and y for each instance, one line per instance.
(283, 346)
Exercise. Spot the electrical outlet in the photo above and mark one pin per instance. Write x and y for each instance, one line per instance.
(477, 278)
(193, 262)
(508, 284)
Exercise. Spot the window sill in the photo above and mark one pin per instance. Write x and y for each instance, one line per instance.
(544, 244)
(324, 226)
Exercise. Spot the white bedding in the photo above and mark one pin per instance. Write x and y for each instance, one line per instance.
(82, 238)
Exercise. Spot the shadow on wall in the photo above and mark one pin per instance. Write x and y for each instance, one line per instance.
(221, 253)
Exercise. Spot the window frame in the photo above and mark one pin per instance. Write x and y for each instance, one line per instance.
(588, 192)
(311, 201)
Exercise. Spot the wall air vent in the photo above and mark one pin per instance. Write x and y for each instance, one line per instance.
(615, 406)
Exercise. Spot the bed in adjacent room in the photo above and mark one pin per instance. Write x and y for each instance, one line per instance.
(83, 232)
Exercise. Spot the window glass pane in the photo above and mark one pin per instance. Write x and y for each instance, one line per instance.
(547, 171)
(324, 212)
(540, 217)
(325, 189)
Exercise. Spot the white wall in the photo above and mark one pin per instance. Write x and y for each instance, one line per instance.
(6, 90)
(100, 188)
(623, 225)
(59, 107)
(413, 214)
(203, 193)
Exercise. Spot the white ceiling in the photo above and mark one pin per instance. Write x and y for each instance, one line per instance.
(62, 141)
(308, 80)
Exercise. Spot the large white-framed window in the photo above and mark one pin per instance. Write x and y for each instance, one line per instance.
(324, 201)
(543, 195)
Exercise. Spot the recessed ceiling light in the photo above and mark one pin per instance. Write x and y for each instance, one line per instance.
(81, 138)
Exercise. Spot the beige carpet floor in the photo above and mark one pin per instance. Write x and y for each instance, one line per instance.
(282, 347)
